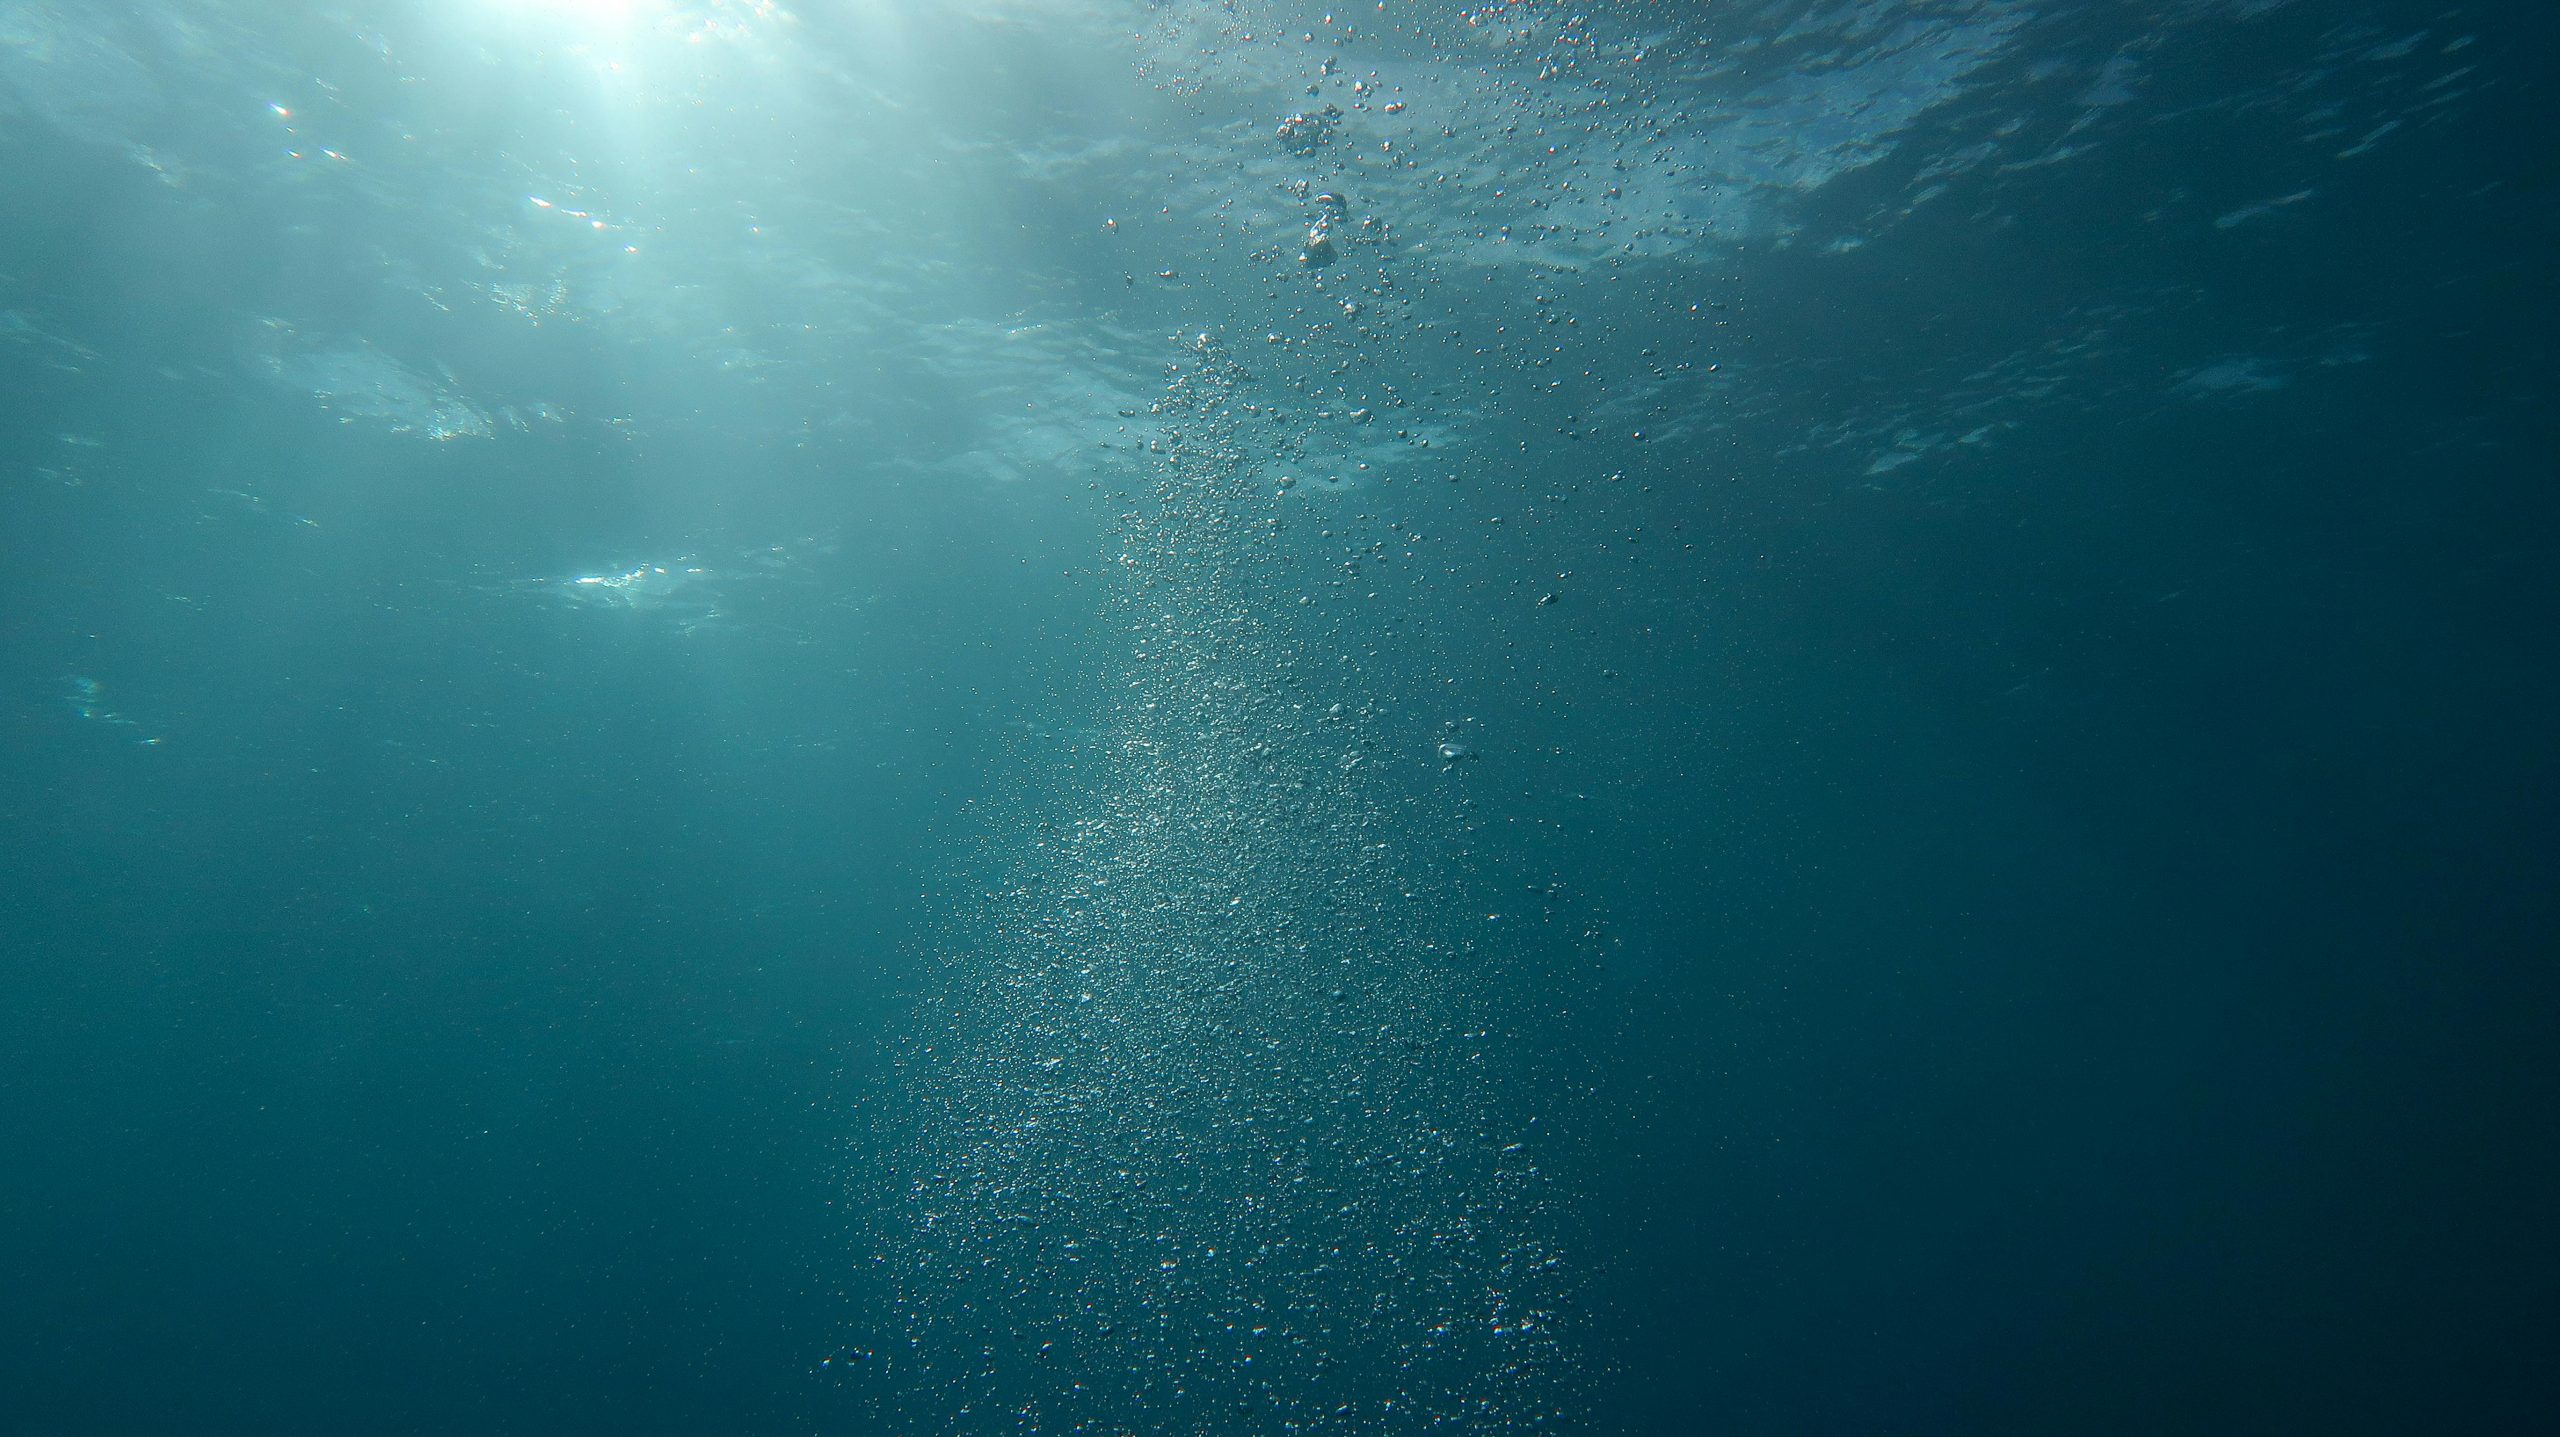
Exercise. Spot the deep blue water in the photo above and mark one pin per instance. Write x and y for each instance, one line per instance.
(1064, 716)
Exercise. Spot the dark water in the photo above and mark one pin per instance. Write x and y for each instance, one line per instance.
(1815, 719)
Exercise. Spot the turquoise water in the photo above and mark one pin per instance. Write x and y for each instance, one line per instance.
(1061, 716)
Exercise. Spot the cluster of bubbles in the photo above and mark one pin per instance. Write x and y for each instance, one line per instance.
(1204, 1136)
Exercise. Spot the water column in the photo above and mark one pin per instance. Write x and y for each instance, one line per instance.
(1204, 1136)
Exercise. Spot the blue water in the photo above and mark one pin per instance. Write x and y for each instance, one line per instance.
(1092, 717)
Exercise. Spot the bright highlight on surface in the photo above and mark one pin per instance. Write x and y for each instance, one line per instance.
(587, 20)
(578, 21)
(601, 14)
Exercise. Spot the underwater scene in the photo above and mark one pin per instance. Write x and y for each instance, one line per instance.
(1126, 717)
